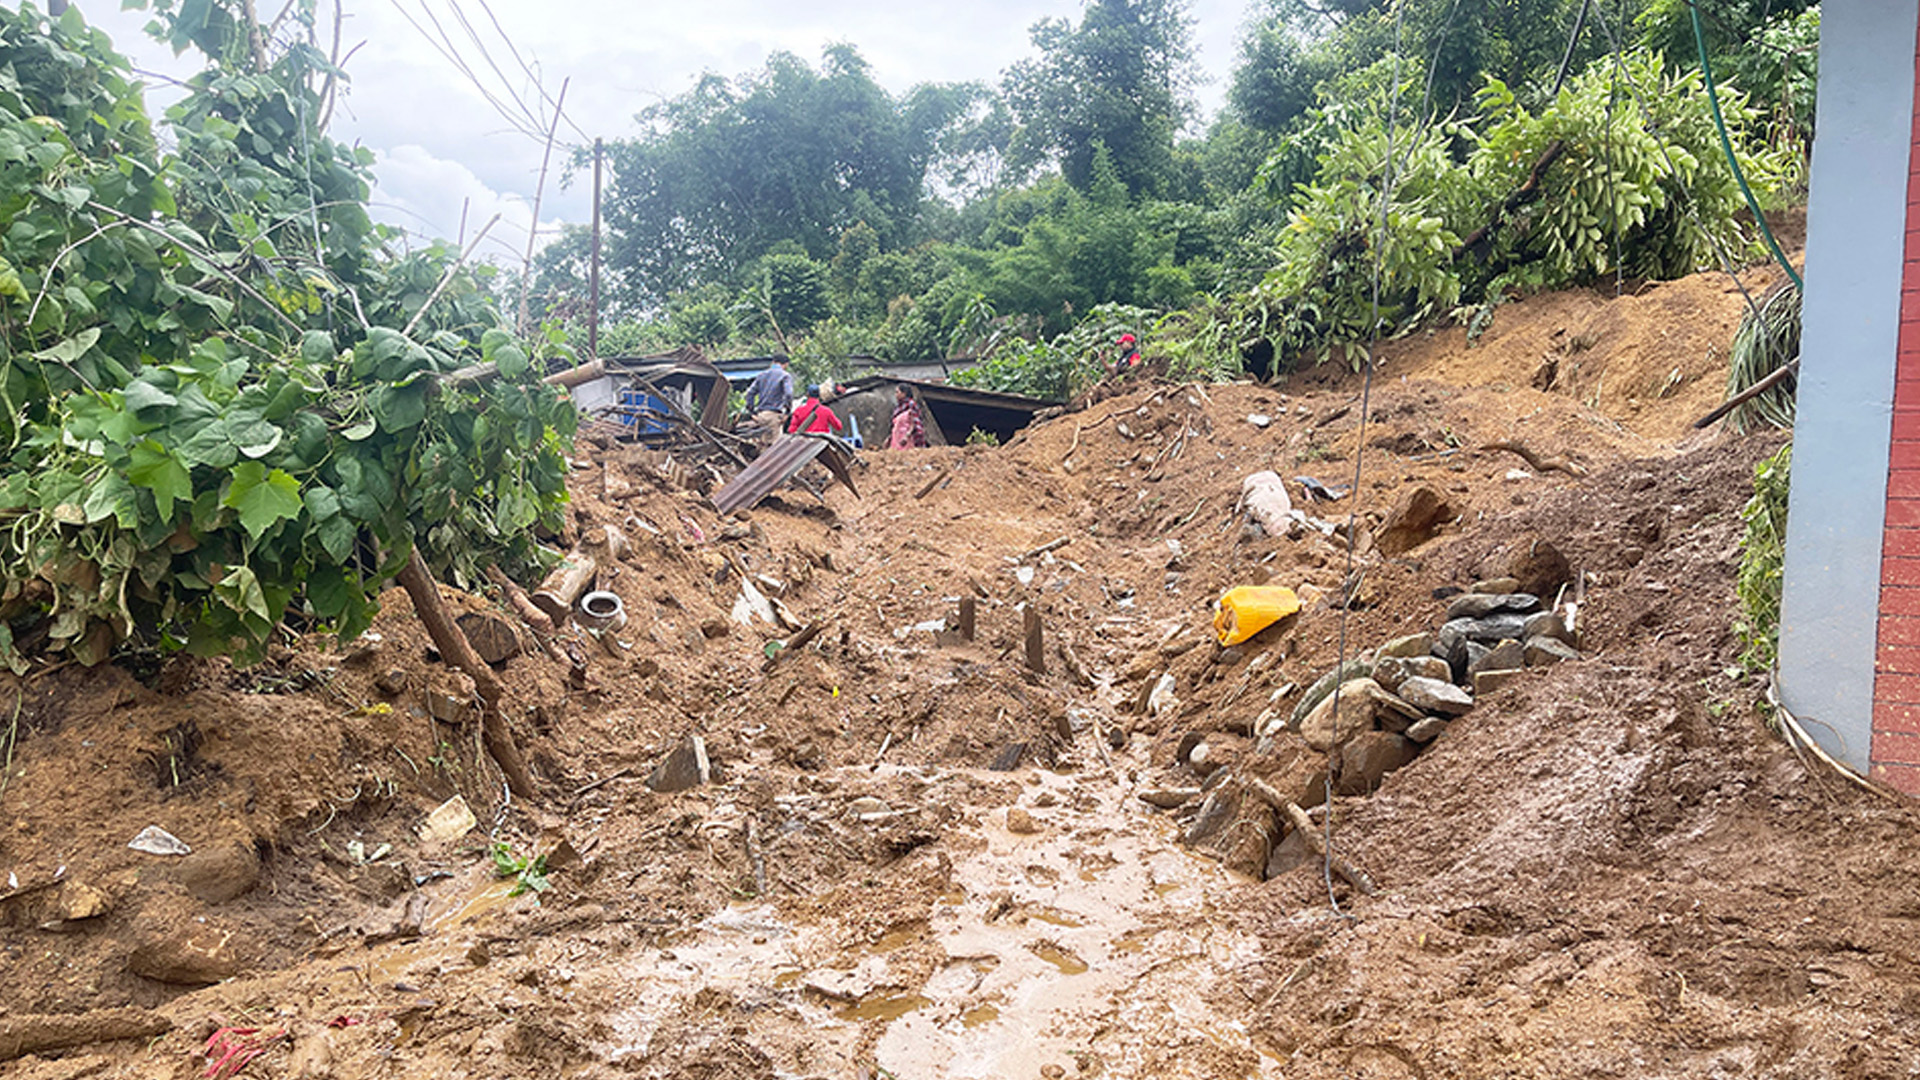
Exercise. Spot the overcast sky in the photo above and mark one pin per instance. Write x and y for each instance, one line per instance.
(439, 143)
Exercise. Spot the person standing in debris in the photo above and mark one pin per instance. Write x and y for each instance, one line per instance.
(771, 396)
(909, 429)
(814, 418)
(1126, 355)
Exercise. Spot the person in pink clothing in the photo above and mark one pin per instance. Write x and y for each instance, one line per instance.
(813, 418)
(909, 430)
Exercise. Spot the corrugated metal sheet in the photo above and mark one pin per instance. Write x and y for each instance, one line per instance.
(779, 463)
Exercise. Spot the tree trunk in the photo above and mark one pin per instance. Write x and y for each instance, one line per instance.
(458, 651)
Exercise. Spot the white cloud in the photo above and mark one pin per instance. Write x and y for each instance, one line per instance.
(432, 196)
(421, 115)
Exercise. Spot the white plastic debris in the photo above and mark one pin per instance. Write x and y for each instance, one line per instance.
(155, 840)
(1265, 496)
(1259, 420)
(451, 820)
(1162, 699)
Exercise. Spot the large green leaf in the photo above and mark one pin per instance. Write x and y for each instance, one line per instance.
(161, 473)
(262, 497)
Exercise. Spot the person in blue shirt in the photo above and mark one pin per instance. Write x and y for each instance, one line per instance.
(770, 397)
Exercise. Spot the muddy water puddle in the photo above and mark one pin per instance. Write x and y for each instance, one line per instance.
(1084, 945)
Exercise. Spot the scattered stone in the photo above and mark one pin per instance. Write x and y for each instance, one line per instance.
(1394, 670)
(1478, 605)
(154, 840)
(449, 821)
(1496, 585)
(1186, 746)
(1486, 682)
(1539, 567)
(1290, 853)
(1216, 813)
(220, 873)
(1545, 651)
(684, 769)
(1505, 656)
(1366, 761)
(391, 683)
(449, 709)
(1020, 822)
(868, 808)
(1204, 759)
(1427, 730)
(1355, 703)
(1548, 624)
(1352, 669)
(196, 955)
(1413, 520)
(1419, 644)
(1169, 798)
(1008, 759)
(1259, 420)
(1436, 696)
(73, 903)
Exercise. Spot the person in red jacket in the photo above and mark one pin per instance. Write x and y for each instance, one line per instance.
(813, 418)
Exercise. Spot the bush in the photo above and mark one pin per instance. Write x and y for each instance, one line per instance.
(1763, 561)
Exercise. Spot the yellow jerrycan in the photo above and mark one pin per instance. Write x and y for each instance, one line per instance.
(1248, 609)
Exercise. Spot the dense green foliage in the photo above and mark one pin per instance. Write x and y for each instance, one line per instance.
(1763, 556)
(224, 404)
(809, 211)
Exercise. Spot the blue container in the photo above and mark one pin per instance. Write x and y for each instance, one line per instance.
(645, 411)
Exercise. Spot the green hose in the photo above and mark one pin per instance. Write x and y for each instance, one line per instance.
(1726, 144)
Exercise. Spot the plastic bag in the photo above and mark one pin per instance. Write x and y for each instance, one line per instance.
(1248, 609)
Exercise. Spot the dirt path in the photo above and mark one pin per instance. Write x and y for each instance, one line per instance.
(917, 857)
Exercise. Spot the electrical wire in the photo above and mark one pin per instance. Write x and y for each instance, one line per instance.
(1726, 146)
(1360, 450)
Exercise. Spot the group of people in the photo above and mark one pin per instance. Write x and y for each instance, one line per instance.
(770, 404)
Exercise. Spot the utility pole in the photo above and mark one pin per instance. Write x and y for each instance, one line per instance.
(593, 272)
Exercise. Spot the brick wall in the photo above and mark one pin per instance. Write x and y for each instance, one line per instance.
(1895, 752)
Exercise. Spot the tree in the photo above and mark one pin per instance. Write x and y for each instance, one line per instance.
(1118, 80)
(731, 168)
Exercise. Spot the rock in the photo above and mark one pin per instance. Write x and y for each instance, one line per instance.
(1427, 730)
(1477, 605)
(1290, 853)
(1020, 822)
(1369, 757)
(1496, 585)
(1486, 682)
(1259, 420)
(1545, 651)
(1185, 747)
(1354, 702)
(1505, 656)
(1205, 759)
(868, 808)
(684, 769)
(391, 683)
(449, 821)
(154, 840)
(449, 709)
(1008, 757)
(197, 954)
(1419, 644)
(1491, 630)
(1538, 566)
(1436, 696)
(1548, 624)
(1216, 813)
(72, 904)
(221, 872)
(1413, 520)
(1169, 798)
(1394, 670)
(1352, 669)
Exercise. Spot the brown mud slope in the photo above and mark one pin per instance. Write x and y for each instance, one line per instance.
(1608, 867)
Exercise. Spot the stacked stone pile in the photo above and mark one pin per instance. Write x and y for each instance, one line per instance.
(1379, 712)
